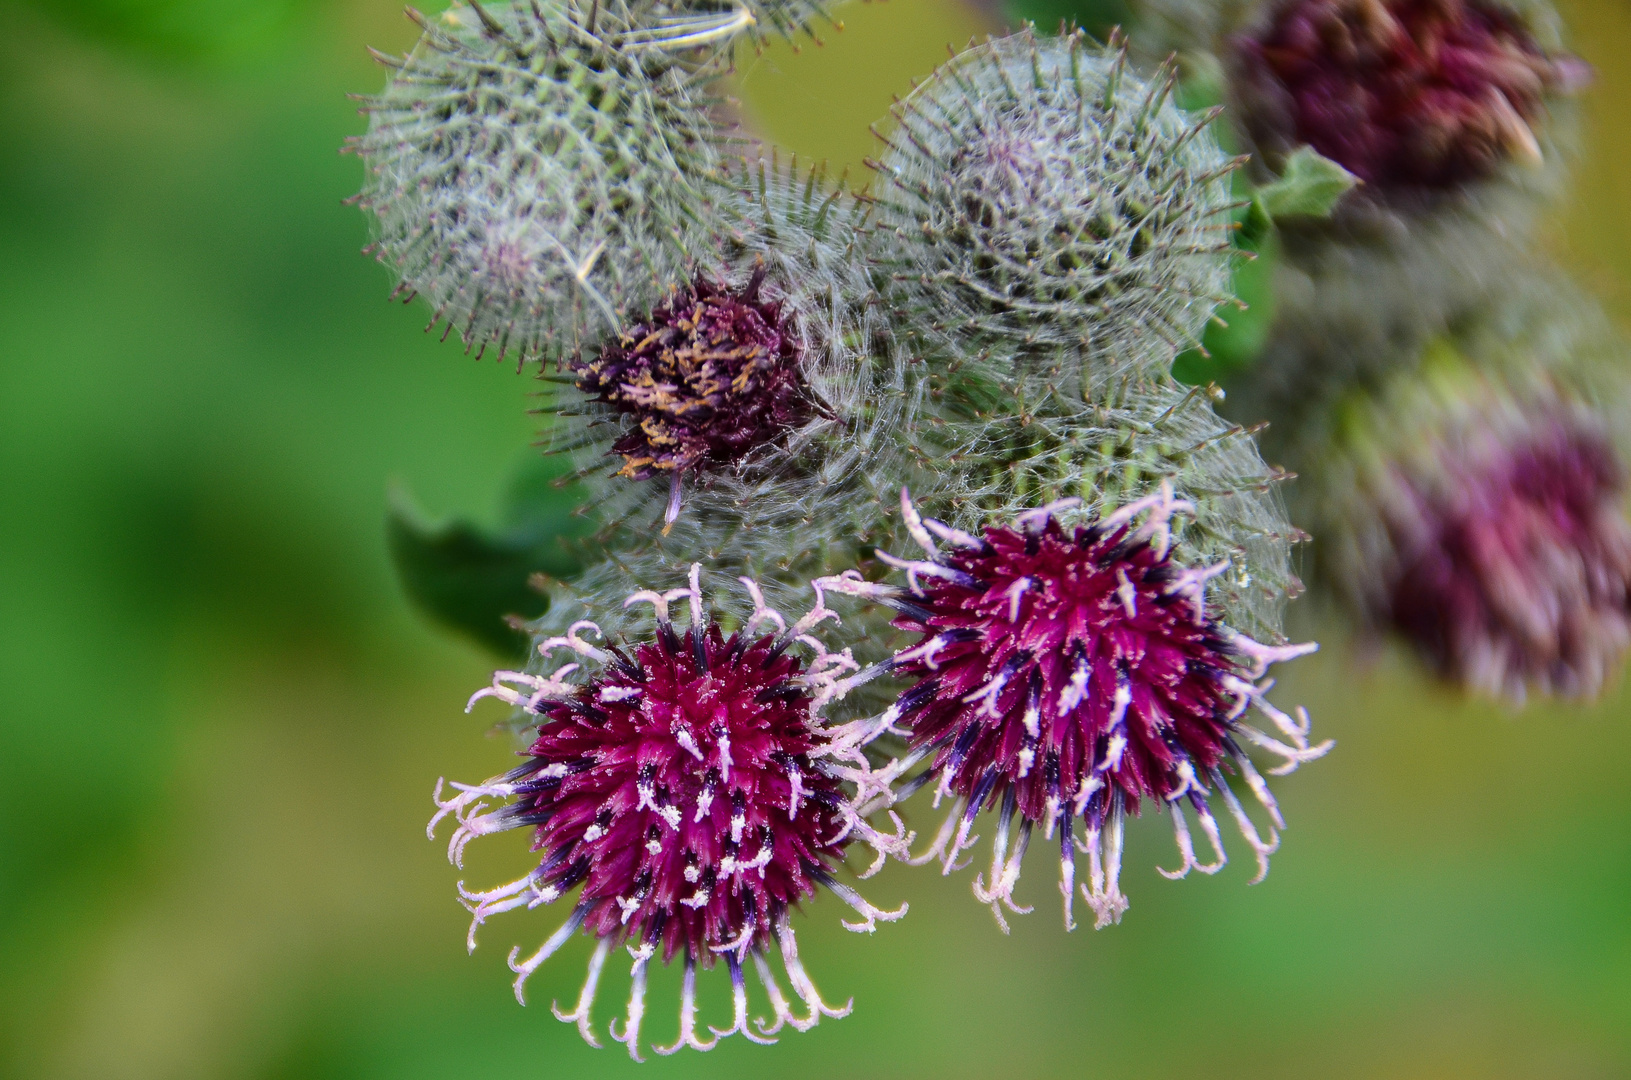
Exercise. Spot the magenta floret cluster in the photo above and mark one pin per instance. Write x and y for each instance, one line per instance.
(686, 788)
(1072, 675)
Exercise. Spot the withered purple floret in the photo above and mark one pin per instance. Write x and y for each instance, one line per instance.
(1402, 93)
(708, 376)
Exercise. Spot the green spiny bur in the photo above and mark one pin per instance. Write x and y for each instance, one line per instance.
(1139, 434)
(1038, 190)
(813, 499)
(533, 169)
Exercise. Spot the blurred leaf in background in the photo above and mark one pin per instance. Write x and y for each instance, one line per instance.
(477, 580)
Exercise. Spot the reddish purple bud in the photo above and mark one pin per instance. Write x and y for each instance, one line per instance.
(1517, 572)
(1402, 93)
(1072, 674)
(707, 377)
(688, 792)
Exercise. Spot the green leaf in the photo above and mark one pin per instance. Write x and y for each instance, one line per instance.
(1308, 186)
(477, 580)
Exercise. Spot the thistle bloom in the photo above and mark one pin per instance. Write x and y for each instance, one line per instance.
(1402, 93)
(1072, 674)
(707, 377)
(690, 789)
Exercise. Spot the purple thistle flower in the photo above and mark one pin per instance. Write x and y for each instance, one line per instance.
(707, 377)
(1402, 93)
(1518, 571)
(689, 788)
(1072, 674)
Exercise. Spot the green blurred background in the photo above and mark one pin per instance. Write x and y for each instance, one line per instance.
(220, 722)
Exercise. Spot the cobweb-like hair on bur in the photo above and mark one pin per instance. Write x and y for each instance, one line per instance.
(1139, 434)
(534, 169)
(1039, 191)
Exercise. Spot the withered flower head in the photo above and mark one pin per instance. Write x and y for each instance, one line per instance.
(707, 377)
(1402, 93)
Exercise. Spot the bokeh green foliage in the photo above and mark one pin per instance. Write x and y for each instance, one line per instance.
(220, 722)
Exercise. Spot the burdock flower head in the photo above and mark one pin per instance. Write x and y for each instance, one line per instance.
(691, 789)
(707, 377)
(1038, 189)
(1427, 94)
(759, 401)
(1069, 674)
(1480, 514)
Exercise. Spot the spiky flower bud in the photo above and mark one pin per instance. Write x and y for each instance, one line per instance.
(1039, 189)
(1072, 673)
(692, 789)
(1402, 93)
(534, 168)
(1480, 515)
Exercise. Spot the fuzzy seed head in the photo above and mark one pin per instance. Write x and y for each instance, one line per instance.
(534, 169)
(707, 377)
(1403, 93)
(1038, 189)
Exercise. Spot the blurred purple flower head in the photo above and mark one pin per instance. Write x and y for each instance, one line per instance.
(1065, 674)
(1402, 93)
(1517, 571)
(687, 790)
(707, 377)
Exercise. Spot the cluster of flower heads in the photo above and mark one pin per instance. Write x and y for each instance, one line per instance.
(762, 376)
(1452, 405)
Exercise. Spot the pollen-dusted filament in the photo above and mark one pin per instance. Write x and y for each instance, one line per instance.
(689, 788)
(1068, 675)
